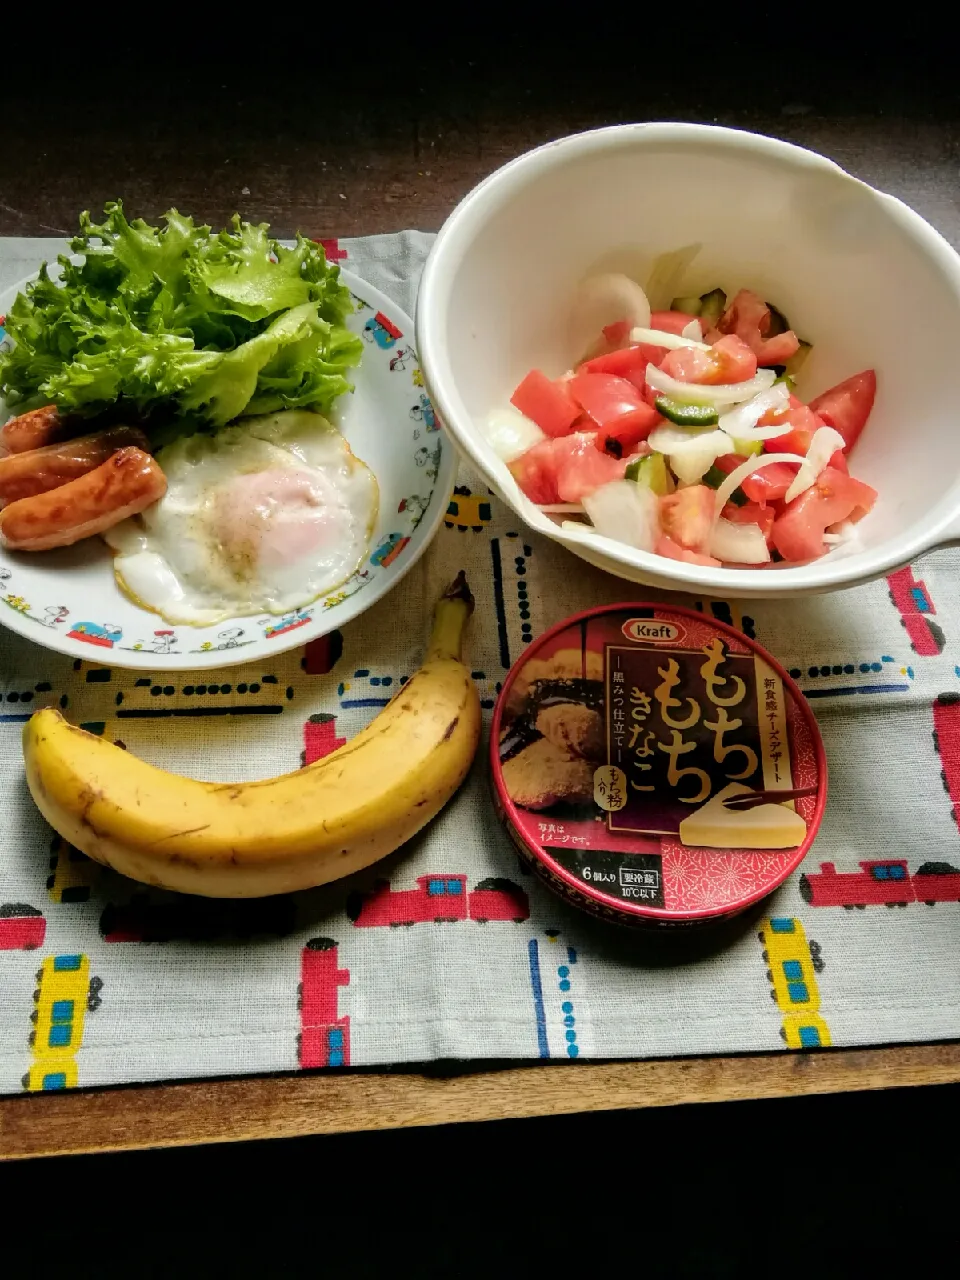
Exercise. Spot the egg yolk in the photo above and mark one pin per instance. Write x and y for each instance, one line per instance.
(270, 518)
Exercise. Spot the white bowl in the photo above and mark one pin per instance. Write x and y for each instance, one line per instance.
(859, 274)
(69, 600)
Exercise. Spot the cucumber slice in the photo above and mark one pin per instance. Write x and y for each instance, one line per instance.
(651, 472)
(747, 448)
(690, 306)
(685, 414)
(712, 307)
(714, 478)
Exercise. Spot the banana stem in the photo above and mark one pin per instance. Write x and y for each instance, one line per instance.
(449, 620)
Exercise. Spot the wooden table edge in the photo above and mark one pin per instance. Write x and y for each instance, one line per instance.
(169, 1115)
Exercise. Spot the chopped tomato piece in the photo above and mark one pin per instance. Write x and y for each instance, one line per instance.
(565, 469)
(846, 407)
(777, 350)
(547, 403)
(536, 473)
(770, 483)
(585, 468)
(629, 432)
(673, 551)
(728, 462)
(799, 442)
(747, 310)
(617, 332)
(843, 484)
(803, 422)
(834, 497)
(687, 516)
(728, 360)
(749, 317)
(688, 364)
(670, 321)
(796, 441)
(751, 513)
(737, 363)
(629, 362)
(615, 406)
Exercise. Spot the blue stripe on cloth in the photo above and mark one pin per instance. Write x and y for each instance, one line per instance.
(538, 1009)
(863, 688)
(498, 598)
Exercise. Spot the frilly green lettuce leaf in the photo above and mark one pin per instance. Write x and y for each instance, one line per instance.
(171, 322)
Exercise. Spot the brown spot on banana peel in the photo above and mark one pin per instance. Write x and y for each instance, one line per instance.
(175, 835)
(451, 727)
(182, 860)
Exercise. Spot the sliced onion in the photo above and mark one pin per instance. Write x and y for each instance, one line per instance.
(660, 338)
(739, 543)
(823, 445)
(510, 433)
(691, 451)
(741, 422)
(843, 539)
(602, 300)
(701, 393)
(736, 478)
(693, 330)
(838, 534)
(626, 512)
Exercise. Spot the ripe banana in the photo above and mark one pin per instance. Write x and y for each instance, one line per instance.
(291, 832)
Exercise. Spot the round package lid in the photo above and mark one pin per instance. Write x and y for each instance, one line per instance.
(637, 755)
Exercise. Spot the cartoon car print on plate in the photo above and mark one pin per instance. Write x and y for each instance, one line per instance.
(388, 550)
(105, 634)
(289, 622)
(382, 331)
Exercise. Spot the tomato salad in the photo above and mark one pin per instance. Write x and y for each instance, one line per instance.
(681, 434)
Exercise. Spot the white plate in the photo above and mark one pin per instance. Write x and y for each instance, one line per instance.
(68, 600)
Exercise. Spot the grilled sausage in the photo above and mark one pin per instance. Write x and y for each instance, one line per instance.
(128, 482)
(34, 430)
(38, 470)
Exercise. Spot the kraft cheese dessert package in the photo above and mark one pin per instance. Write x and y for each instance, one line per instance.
(638, 753)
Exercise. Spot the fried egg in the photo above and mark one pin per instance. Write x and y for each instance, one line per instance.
(262, 517)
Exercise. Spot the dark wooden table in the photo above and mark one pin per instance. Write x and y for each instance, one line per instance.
(311, 133)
